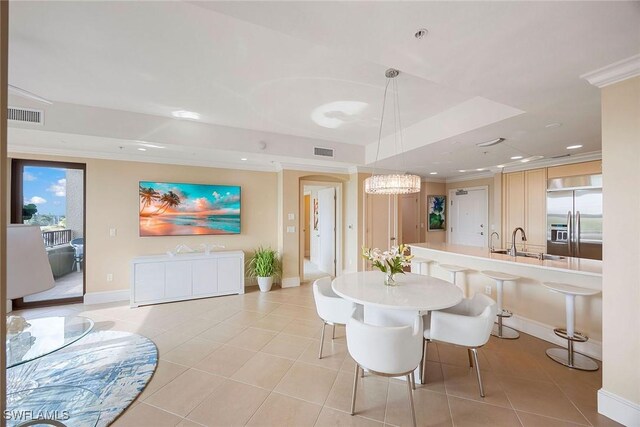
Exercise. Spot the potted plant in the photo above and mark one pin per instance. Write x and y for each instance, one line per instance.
(264, 266)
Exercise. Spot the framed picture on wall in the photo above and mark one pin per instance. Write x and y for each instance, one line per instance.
(436, 218)
(180, 209)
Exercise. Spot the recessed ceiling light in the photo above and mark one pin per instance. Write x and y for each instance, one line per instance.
(516, 157)
(500, 166)
(421, 33)
(553, 125)
(461, 170)
(573, 147)
(433, 173)
(490, 143)
(525, 160)
(480, 169)
(184, 114)
(142, 149)
(243, 159)
(148, 145)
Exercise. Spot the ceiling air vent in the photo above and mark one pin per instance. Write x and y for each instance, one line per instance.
(26, 115)
(324, 152)
(561, 156)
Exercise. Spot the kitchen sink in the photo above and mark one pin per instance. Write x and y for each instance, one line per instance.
(540, 256)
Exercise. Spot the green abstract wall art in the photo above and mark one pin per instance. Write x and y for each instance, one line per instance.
(436, 213)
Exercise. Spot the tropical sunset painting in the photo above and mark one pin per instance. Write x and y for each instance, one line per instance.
(170, 209)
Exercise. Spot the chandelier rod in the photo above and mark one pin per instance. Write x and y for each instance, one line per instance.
(384, 102)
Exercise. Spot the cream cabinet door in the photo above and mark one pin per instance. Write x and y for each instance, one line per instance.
(205, 276)
(230, 273)
(149, 281)
(177, 279)
(536, 208)
(514, 200)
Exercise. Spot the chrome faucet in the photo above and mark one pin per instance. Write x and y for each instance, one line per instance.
(514, 251)
(491, 240)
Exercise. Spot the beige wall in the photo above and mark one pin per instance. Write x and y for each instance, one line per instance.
(621, 250)
(112, 202)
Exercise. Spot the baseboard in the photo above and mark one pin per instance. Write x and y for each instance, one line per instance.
(618, 408)
(290, 282)
(107, 296)
(545, 332)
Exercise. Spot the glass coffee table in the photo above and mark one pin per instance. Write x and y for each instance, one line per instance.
(44, 336)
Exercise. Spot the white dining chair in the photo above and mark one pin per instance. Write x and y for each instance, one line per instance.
(390, 351)
(467, 324)
(331, 308)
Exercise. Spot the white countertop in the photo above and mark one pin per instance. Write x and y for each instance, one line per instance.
(412, 291)
(569, 264)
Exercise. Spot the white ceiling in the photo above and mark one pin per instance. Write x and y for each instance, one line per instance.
(485, 70)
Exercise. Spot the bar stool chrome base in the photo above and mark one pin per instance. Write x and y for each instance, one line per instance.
(580, 361)
(504, 332)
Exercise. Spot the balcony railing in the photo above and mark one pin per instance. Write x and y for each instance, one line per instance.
(56, 237)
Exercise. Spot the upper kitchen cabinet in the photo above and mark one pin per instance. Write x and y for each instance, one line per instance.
(524, 205)
(576, 169)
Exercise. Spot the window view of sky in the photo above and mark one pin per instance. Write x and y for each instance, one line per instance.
(46, 188)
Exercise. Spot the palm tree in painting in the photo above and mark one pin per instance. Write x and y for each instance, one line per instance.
(169, 200)
(147, 196)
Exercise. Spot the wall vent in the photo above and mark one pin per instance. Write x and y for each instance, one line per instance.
(26, 115)
(324, 152)
(561, 156)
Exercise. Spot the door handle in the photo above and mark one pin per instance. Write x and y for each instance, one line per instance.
(577, 233)
(570, 236)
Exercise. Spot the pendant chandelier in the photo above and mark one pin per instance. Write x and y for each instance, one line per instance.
(391, 183)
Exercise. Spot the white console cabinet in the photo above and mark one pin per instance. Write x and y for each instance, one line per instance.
(164, 278)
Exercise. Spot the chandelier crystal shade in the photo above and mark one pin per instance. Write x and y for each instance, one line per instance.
(391, 184)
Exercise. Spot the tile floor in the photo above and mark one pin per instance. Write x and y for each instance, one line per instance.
(67, 286)
(252, 360)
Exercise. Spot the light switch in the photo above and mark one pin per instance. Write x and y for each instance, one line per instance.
(113, 232)
(292, 217)
(291, 229)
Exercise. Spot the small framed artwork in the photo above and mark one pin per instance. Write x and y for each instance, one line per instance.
(436, 218)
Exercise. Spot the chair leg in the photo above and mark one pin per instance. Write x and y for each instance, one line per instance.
(413, 411)
(413, 380)
(355, 389)
(470, 358)
(324, 324)
(333, 332)
(423, 370)
(475, 361)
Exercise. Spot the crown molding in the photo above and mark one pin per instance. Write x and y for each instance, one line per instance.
(132, 157)
(545, 163)
(434, 180)
(614, 73)
(311, 168)
(471, 177)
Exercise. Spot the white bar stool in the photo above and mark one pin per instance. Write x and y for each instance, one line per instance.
(420, 265)
(454, 270)
(568, 357)
(499, 330)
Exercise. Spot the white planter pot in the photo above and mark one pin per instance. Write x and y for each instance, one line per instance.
(265, 283)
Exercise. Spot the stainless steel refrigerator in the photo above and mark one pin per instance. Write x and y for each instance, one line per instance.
(574, 216)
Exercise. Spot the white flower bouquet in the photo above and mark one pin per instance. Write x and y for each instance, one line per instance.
(389, 262)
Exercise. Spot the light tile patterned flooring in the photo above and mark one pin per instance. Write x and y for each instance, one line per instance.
(252, 360)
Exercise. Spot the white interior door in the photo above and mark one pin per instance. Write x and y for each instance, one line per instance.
(468, 217)
(327, 229)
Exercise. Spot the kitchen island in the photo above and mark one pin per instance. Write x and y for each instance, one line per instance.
(536, 310)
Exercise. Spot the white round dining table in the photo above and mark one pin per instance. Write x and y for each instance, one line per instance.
(412, 292)
(413, 295)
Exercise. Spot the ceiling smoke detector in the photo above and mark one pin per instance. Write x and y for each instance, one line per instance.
(421, 33)
(490, 143)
